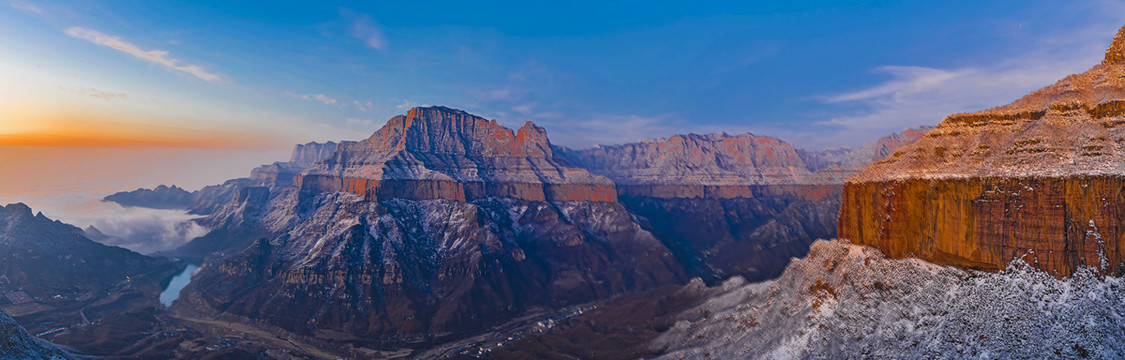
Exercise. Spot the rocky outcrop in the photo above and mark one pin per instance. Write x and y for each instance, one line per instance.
(846, 301)
(408, 272)
(713, 160)
(727, 166)
(44, 258)
(439, 226)
(841, 164)
(160, 197)
(234, 224)
(732, 204)
(17, 344)
(443, 224)
(1039, 177)
(282, 173)
(442, 153)
(208, 199)
(305, 155)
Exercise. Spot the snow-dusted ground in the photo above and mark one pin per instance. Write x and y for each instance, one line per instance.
(848, 301)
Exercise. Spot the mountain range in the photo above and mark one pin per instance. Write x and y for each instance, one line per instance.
(443, 225)
(448, 235)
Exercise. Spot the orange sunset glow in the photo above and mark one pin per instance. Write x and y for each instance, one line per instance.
(72, 129)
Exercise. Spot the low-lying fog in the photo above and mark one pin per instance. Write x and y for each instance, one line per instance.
(139, 229)
(68, 184)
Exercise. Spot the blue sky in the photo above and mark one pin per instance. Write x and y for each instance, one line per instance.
(816, 74)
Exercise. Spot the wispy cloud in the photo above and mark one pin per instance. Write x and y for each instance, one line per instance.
(327, 100)
(609, 128)
(95, 93)
(26, 7)
(916, 95)
(525, 108)
(509, 93)
(406, 104)
(363, 105)
(364, 28)
(159, 57)
(364, 124)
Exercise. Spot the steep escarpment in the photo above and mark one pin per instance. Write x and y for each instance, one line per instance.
(439, 226)
(713, 159)
(442, 153)
(16, 343)
(208, 199)
(409, 271)
(43, 258)
(732, 204)
(160, 197)
(847, 301)
(1041, 176)
(728, 166)
(843, 163)
(53, 278)
(304, 155)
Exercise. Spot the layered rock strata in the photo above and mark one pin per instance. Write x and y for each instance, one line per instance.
(442, 153)
(439, 226)
(283, 173)
(1040, 177)
(732, 204)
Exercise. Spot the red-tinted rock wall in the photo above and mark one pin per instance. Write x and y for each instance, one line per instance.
(1059, 224)
(374, 190)
(802, 192)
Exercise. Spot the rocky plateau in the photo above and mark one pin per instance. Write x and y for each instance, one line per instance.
(1041, 177)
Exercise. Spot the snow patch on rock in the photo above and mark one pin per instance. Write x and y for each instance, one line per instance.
(848, 301)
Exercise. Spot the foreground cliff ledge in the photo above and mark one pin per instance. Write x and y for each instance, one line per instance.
(1041, 177)
(1059, 224)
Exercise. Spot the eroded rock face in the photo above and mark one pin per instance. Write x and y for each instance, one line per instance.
(733, 204)
(45, 257)
(442, 153)
(848, 301)
(691, 159)
(727, 165)
(16, 343)
(1040, 176)
(304, 155)
(408, 271)
(160, 197)
(839, 164)
(442, 224)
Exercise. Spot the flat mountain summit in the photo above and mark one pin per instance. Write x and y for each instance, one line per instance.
(440, 143)
(1073, 127)
(1040, 178)
(442, 153)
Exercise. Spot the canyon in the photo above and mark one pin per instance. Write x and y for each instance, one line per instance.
(54, 280)
(733, 204)
(443, 224)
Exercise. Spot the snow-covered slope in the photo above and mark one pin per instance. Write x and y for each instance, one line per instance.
(17, 344)
(848, 301)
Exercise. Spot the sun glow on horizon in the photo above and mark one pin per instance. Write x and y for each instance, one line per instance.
(63, 128)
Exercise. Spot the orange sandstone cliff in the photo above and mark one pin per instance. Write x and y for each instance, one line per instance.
(1042, 177)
